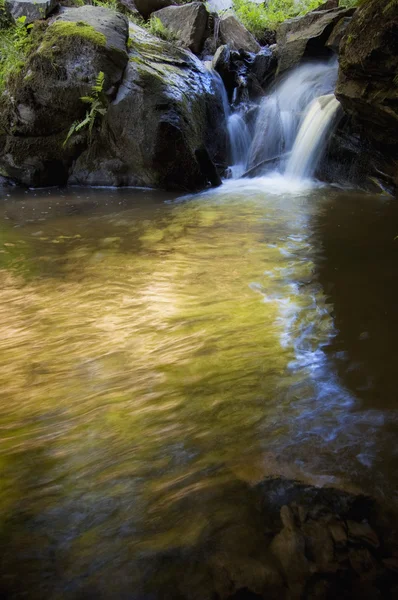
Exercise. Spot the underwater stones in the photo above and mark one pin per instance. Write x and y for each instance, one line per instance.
(306, 36)
(187, 22)
(33, 10)
(233, 33)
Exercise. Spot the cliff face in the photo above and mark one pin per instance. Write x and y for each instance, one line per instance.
(368, 77)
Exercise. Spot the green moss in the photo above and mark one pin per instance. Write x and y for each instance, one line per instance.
(68, 31)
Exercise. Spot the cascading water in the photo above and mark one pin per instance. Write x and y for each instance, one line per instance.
(293, 122)
(239, 138)
(239, 141)
(307, 149)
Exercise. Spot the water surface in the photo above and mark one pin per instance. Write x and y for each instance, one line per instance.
(156, 353)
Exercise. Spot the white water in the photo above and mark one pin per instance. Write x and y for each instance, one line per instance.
(239, 141)
(239, 138)
(288, 121)
(311, 138)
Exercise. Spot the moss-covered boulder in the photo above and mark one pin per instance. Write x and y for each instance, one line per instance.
(44, 98)
(368, 78)
(166, 126)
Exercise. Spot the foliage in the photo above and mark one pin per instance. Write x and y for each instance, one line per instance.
(97, 108)
(111, 4)
(259, 17)
(15, 44)
(156, 27)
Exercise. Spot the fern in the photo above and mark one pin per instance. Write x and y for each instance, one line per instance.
(98, 108)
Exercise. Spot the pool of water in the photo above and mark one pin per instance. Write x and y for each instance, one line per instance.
(157, 353)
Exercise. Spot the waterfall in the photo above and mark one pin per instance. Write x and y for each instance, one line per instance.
(239, 142)
(293, 121)
(239, 139)
(307, 149)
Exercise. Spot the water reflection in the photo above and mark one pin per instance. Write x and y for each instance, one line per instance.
(153, 356)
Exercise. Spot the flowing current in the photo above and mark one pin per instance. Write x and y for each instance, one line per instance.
(292, 127)
(161, 356)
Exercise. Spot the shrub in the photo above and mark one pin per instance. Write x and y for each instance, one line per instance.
(259, 17)
(15, 44)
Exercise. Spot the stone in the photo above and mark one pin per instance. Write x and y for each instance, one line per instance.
(368, 70)
(164, 126)
(306, 36)
(147, 7)
(46, 99)
(33, 10)
(187, 22)
(338, 532)
(337, 34)
(362, 532)
(233, 33)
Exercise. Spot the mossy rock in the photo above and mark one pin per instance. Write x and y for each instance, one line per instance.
(44, 98)
(168, 108)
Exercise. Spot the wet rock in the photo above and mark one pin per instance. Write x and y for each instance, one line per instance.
(33, 10)
(362, 532)
(187, 22)
(147, 7)
(45, 98)
(306, 36)
(338, 532)
(233, 33)
(319, 545)
(368, 68)
(168, 113)
(363, 563)
(337, 34)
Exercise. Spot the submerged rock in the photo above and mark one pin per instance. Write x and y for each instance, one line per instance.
(166, 126)
(33, 10)
(187, 22)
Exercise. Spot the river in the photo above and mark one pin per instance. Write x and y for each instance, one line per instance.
(159, 353)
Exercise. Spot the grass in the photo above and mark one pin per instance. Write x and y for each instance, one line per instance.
(15, 45)
(259, 17)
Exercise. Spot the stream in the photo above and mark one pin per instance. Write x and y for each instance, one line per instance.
(158, 352)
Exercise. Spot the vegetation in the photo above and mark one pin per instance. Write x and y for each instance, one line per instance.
(156, 27)
(97, 108)
(15, 44)
(259, 17)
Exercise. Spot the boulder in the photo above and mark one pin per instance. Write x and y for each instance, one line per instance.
(147, 7)
(166, 126)
(307, 36)
(367, 84)
(41, 104)
(337, 34)
(187, 22)
(33, 10)
(233, 33)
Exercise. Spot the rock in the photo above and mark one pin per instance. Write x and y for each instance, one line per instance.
(233, 33)
(362, 562)
(45, 99)
(287, 518)
(288, 547)
(167, 115)
(306, 36)
(128, 7)
(319, 545)
(187, 22)
(328, 5)
(366, 85)
(147, 7)
(337, 34)
(338, 532)
(33, 10)
(362, 532)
